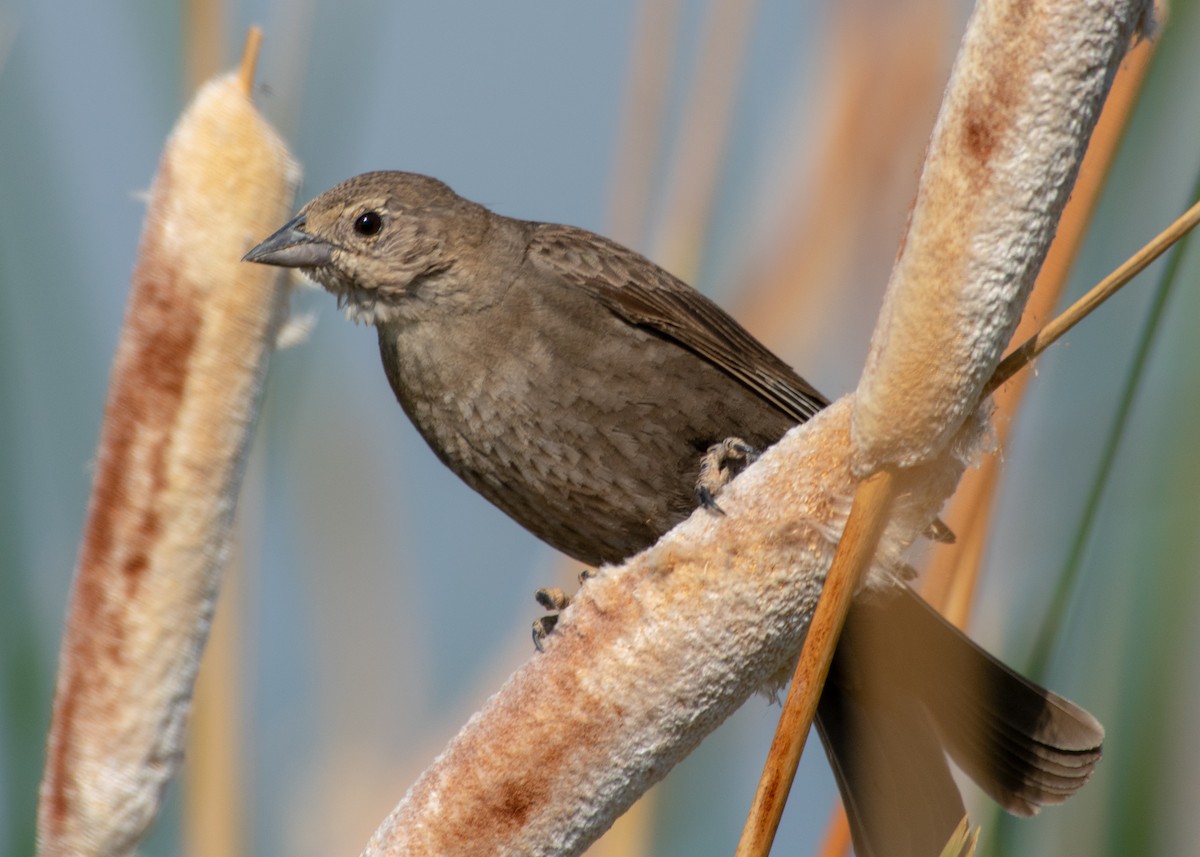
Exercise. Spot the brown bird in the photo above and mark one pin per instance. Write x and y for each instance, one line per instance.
(597, 400)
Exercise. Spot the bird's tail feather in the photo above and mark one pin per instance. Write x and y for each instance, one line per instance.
(904, 685)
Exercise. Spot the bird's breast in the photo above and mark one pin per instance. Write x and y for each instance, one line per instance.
(589, 435)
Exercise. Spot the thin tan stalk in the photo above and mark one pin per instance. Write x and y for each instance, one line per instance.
(1095, 296)
(214, 797)
(182, 402)
(868, 517)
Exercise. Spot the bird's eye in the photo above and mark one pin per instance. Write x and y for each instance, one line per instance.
(368, 223)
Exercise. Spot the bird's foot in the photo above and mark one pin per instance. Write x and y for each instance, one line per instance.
(554, 601)
(718, 466)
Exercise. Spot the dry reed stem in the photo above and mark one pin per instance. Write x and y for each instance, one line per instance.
(1098, 294)
(183, 397)
(214, 782)
(249, 64)
(856, 550)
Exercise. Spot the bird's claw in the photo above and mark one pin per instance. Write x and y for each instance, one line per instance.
(707, 500)
(554, 601)
(719, 464)
(552, 598)
(542, 628)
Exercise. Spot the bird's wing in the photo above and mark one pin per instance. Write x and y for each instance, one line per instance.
(644, 294)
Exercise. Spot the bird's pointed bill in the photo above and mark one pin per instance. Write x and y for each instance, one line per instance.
(292, 247)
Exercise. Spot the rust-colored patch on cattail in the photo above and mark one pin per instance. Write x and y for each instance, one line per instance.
(980, 136)
(518, 796)
(55, 806)
(148, 386)
(995, 98)
(989, 115)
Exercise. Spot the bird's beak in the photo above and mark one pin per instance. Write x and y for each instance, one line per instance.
(292, 247)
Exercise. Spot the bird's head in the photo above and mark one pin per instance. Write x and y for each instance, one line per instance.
(383, 243)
